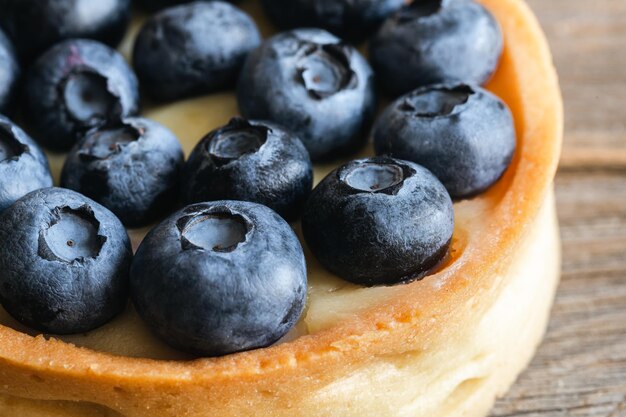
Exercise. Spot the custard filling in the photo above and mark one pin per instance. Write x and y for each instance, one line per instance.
(331, 299)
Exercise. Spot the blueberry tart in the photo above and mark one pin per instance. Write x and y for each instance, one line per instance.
(442, 343)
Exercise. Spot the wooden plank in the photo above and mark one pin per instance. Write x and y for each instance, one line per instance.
(588, 40)
(593, 157)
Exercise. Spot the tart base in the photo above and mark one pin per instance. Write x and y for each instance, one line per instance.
(457, 375)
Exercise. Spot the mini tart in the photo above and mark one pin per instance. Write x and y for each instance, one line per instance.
(443, 346)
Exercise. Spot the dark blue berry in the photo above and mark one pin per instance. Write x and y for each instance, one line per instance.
(465, 135)
(36, 25)
(250, 161)
(379, 221)
(353, 20)
(313, 84)
(222, 277)
(9, 74)
(153, 5)
(432, 41)
(64, 262)
(193, 49)
(132, 168)
(75, 86)
(23, 165)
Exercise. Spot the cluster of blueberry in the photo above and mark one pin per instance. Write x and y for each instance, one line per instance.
(227, 273)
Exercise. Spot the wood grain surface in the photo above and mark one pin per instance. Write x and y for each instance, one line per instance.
(580, 369)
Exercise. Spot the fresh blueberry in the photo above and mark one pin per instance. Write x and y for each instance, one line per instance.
(432, 41)
(153, 5)
(9, 73)
(64, 262)
(75, 86)
(23, 165)
(36, 25)
(132, 168)
(250, 161)
(313, 84)
(464, 135)
(221, 277)
(193, 49)
(379, 221)
(353, 20)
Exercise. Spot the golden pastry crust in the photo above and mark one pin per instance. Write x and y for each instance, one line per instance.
(459, 375)
(303, 377)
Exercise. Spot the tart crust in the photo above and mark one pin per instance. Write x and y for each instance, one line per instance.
(444, 346)
(459, 375)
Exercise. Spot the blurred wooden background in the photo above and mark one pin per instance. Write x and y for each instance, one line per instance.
(580, 370)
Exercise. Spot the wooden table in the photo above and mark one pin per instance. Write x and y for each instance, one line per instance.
(580, 370)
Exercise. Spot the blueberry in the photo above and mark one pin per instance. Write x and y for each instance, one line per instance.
(132, 168)
(193, 49)
(432, 41)
(36, 25)
(313, 84)
(23, 165)
(250, 161)
(9, 74)
(353, 20)
(379, 221)
(465, 135)
(75, 86)
(221, 277)
(153, 5)
(64, 262)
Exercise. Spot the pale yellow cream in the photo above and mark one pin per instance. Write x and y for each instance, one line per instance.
(330, 298)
